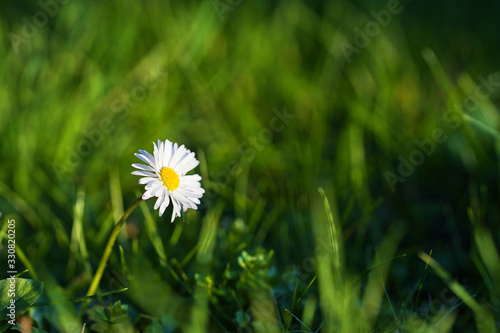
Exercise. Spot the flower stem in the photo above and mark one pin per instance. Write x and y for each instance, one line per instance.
(105, 256)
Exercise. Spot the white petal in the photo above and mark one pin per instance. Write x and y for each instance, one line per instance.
(192, 202)
(143, 167)
(184, 156)
(159, 201)
(167, 154)
(146, 157)
(147, 154)
(165, 203)
(161, 149)
(187, 164)
(147, 195)
(195, 201)
(147, 180)
(174, 212)
(189, 204)
(153, 185)
(186, 201)
(158, 191)
(154, 190)
(143, 173)
(187, 157)
(195, 189)
(192, 178)
(156, 155)
(173, 150)
(179, 153)
(188, 194)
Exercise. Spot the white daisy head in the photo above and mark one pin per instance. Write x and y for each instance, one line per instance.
(165, 177)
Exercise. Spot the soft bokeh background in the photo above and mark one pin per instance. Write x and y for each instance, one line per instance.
(95, 82)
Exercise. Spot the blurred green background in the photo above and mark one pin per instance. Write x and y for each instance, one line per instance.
(306, 117)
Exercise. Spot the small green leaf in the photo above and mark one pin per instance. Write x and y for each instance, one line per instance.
(102, 315)
(26, 293)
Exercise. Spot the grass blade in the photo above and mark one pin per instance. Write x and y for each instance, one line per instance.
(484, 320)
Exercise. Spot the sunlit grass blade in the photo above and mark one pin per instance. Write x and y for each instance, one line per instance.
(78, 247)
(309, 311)
(440, 75)
(482, 126)
(484, 105)
(330, 267)
(442, 322)
(489, 255)
(265, 313)
(484, 320)
(334, 236)
(21, 273)
(298, 319)
(307, 288)
(94, 285)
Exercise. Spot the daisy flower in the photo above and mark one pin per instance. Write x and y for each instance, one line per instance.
(165, 177)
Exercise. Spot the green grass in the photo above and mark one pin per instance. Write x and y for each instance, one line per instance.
(300, 229)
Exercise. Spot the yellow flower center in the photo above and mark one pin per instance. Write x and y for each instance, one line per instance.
(170, 178)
